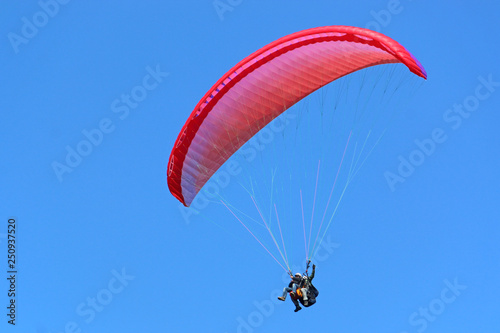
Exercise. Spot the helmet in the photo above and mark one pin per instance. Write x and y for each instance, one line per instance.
(298, 274)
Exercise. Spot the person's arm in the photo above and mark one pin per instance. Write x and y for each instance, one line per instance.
(312, 274)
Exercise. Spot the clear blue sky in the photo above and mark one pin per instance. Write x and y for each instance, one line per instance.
(102, 245)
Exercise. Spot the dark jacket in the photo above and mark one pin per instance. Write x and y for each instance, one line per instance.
(295, 280)
(306, 281)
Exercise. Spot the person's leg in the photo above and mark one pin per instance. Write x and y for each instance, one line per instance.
(297, 306)
(304, 296)
(285, 291)
(304, 293)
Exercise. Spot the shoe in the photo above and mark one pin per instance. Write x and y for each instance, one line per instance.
(281, 298)
(298, 308)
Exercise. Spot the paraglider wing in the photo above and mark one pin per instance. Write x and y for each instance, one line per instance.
(262, 86)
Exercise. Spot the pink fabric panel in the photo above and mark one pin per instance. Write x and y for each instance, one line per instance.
(263, 95)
